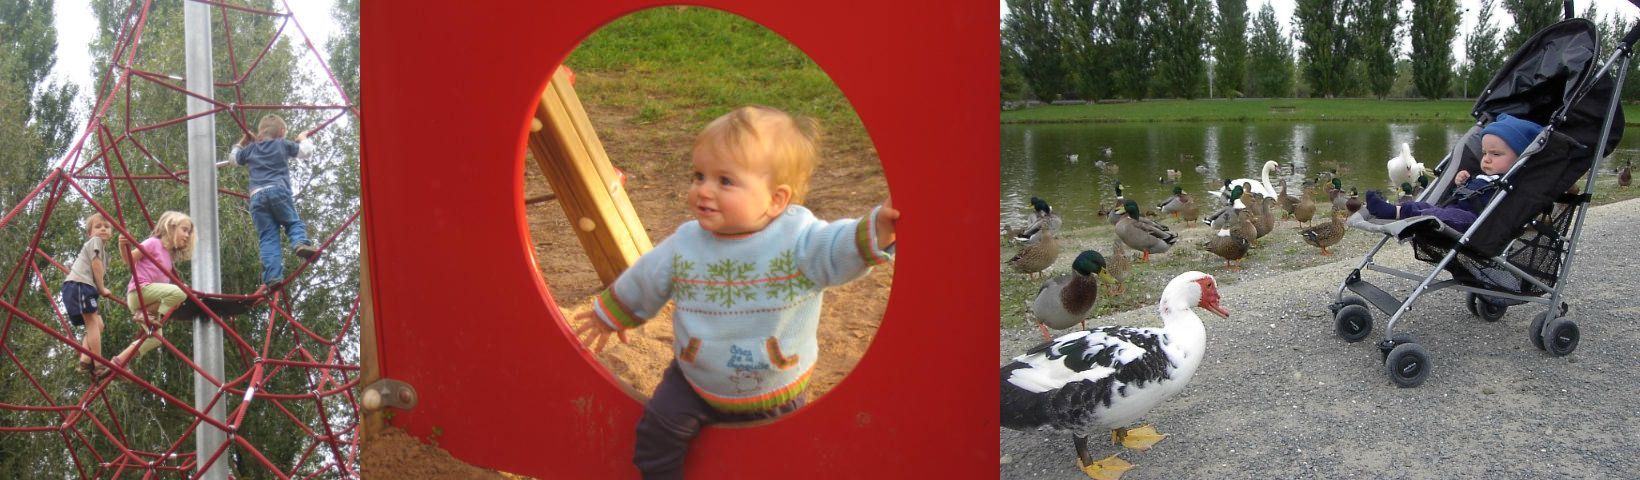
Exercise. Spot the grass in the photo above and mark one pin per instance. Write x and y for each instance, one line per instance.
(1279, 252)
(702, 63)
(1280, 109)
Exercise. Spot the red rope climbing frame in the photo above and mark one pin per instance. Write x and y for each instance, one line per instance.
(325, 360)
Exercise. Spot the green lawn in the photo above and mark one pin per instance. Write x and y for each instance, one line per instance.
(1288, 109)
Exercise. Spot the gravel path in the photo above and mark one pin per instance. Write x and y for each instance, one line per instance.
(1281, 396)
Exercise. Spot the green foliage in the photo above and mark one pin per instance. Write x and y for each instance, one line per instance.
(1323, 27)
(1530, 16)
(1434, 24)
(1484, 51)
(1030, 34)
(1013, 86)
(1179, 28)
(1230, 48)
(1304, 109)
(1131, 43)
(1377, 22)
(1270, 57)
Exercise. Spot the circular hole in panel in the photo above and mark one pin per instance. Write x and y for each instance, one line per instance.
(649, 83)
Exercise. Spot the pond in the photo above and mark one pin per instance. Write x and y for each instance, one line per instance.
(1036, 159)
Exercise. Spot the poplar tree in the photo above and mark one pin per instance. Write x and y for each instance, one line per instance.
(1270, 56)
(1530, 16)
(1230, 49)
(1378, 20)
(1434, 24)
(1484, 50)
(1180, 27)
(1030, 31)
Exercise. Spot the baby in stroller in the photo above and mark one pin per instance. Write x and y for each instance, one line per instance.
(1501, 144)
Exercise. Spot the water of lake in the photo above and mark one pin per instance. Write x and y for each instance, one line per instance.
(1036, 159)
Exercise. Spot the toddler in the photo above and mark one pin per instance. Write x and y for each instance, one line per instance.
(150, 294)
(1501, 144)
(84, 286)
(272, 207)
(747, 277)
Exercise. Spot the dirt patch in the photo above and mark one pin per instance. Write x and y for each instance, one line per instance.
(655, 157)
(395, 454)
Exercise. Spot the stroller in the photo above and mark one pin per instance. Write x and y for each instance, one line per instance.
(1520, 247)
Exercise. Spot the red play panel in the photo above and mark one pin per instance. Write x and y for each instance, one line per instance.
(462, 314)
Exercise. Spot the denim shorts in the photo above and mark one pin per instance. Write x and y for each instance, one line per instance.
(78, 300)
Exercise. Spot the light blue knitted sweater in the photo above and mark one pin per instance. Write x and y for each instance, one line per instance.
(747, 308)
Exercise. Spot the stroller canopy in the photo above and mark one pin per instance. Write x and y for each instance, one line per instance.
(1546, 74)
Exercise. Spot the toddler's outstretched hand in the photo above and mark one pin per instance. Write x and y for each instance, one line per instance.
(1462, 178)
(593, 332)
(300, 137)
(886, 217)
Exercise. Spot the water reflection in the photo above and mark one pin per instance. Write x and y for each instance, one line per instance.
(1035, 159)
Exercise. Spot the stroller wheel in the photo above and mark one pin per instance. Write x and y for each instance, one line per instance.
(1353, 323)
(1347, 300)
(1407, 365)
(1535, 332)
(1560, 337)
(1486, 309)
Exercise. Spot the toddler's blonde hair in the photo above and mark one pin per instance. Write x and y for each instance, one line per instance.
(270, 127)
(91, 221)
(165, 229)
(790, 144)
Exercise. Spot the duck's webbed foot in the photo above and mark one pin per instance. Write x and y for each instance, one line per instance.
(1140, 438)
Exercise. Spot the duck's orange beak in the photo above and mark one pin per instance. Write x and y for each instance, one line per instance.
(1216, 308)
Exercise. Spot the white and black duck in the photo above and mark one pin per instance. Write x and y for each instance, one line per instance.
(1108, 378)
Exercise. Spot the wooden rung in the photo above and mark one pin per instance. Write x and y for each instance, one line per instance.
(568, 151)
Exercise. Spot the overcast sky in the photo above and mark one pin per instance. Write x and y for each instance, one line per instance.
(1284, 13)
(76, 26)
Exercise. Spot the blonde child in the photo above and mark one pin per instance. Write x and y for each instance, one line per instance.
(84, 286)
(173, 240)
(272, 207)
(747, 277)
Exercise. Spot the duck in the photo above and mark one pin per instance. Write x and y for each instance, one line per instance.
(1171, 176)
(1222, 217)
(1407, 194)
(1229, 246)
(1072, 157)
(1326, 234)
(1284, 201)
(1624, 178)
(1118, 265)
(1043, 218)
(1264, 219)
(1402, 168)
(1305, 209)
(1182, 206)
(1107, 378)
(1108, 167)
(1352, 203)
(1142, 234)
(1064, 300)
(1201, 169)
(1261, 187)
(1037, 255)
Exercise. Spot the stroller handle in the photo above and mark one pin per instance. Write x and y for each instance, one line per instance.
(1634, 32)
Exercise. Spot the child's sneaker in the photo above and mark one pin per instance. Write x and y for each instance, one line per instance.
(307, 252)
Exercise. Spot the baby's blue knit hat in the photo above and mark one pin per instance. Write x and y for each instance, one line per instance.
(1514, 131)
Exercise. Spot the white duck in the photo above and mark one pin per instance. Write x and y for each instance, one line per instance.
(1402, 168)
(1261, 187)
(1109, 377)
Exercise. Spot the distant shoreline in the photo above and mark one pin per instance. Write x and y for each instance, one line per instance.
(1257, 110)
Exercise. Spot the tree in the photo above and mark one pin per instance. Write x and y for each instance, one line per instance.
(1086, 26)
(1434, 24)
(1377, 23)
(1230, 49)
(1483, 49)
(28, 32)
(1270, 56)
(1130, 48)
(1323, 27)
(1013, 85)
(1029, 30)
(1530, 16)
(1180, 27)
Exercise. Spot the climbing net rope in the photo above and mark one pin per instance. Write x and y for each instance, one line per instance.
(278, 364)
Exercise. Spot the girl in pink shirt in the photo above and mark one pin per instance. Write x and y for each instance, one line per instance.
(151, 295)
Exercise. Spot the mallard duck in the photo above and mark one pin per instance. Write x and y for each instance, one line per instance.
(1229, 246)
(1423, 183)
(1352, 203)
(1402, 168)
(1108, 378)
(1326, 234)
(1265, 218)
(1406, 193)
(1305, 209)
(1202, 169)
(1107, 167)
(1624, 178)
(1171, 176)
(1142, 234)
(1036, 255)
(1261, 186)
(1284, 201)
(1118, 264)
(1065, 300)
(1182, 206)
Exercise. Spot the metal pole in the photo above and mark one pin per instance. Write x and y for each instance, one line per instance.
(207, 276)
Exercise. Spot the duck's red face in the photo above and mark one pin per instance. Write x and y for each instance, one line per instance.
(1210, 297)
